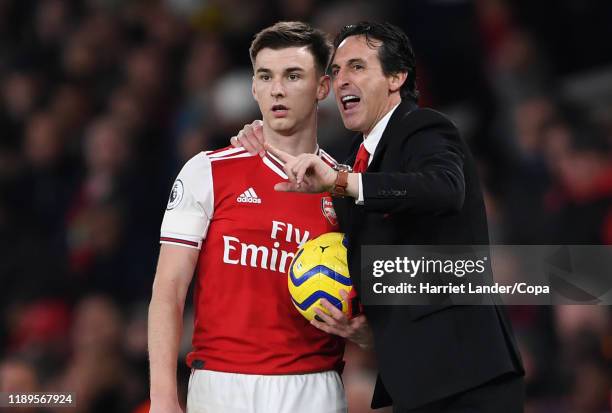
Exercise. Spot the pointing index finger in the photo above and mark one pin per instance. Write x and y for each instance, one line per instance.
(283, 156)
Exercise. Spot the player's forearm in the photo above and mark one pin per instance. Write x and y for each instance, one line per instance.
(174, 273)
(164, 331)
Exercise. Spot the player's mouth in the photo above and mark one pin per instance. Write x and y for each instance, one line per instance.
(350, 103)
(279, 111)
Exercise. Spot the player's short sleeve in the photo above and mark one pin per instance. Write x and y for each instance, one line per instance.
(190, 204)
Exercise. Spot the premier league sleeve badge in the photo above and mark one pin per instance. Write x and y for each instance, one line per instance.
(176, 195)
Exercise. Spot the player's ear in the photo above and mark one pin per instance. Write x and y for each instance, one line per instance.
(396, 80)
(253, 88)
(323, 87)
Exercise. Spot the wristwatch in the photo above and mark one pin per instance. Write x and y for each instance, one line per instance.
(339, 188)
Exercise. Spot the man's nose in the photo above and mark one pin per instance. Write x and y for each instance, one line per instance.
(342, 80)
(277, 89)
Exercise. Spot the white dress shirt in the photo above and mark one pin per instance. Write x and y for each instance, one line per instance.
(370, 143)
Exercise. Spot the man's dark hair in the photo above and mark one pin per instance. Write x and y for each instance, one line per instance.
(395, 53)
(294, 34)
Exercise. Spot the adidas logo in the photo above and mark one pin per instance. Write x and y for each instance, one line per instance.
(249, 196)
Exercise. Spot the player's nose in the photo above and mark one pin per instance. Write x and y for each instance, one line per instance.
(277, 89)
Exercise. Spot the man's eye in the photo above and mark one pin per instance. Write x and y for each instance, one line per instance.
(294, 76)
(357, 67)
(264, 77)
(334, 72)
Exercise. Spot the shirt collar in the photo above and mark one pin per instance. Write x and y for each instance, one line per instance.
(370, 142)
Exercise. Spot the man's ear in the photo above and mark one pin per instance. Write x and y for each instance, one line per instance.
(396, 81)
(323, 87)
(253, 88)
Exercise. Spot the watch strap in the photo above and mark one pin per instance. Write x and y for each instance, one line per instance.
(339, 189)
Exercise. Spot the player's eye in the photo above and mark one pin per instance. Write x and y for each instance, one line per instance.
(293, 76)
(334, 72)
(357, 66)
(264, 77)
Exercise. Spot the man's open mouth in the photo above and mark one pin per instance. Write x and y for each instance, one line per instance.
(350, 101)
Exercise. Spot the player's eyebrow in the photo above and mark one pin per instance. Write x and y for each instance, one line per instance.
(287, 70)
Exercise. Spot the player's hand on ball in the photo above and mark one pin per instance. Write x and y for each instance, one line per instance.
(307, 172)
(251, 138)
(355, 329)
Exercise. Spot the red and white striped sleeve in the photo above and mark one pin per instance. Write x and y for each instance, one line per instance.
(327, 158)
(190, 205)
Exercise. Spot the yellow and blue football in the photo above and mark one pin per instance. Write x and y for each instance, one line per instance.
(320, 270)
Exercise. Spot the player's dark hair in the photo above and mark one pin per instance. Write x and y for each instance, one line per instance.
(395, 53)
(294, 34)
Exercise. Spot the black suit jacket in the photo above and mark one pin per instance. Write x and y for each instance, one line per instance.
(422, 189)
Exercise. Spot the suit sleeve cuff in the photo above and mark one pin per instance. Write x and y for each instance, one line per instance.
(359, 200)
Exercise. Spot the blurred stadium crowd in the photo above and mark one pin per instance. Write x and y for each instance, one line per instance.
(102, 101)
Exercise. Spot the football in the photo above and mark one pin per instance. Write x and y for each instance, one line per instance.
(320, 270)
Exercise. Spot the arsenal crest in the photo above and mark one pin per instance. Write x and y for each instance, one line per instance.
(327, 207)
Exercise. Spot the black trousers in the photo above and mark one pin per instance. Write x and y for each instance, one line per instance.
(505, 394)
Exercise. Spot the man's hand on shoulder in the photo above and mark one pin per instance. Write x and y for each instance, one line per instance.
(250, 138)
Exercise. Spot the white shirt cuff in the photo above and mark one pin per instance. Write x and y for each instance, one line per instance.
(359, 200)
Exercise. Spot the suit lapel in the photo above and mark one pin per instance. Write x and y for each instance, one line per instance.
(390, 131)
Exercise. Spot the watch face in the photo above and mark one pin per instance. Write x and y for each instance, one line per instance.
(343, 167)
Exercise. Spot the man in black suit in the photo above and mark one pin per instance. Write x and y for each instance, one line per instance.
(413, 182)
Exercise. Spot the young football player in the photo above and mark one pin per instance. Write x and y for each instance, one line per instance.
(226, 228)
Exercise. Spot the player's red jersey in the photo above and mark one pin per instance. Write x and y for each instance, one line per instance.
(224, 202)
